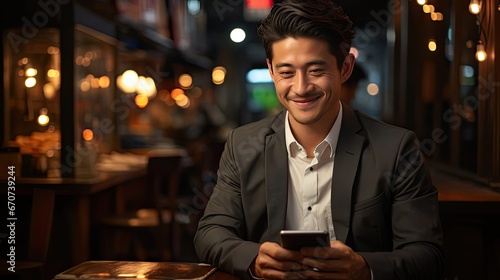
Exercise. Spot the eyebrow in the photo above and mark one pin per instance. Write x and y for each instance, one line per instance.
(314, 62)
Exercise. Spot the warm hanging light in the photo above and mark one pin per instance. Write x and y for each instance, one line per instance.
(185, 80)
(421, 2)
(146, 86)
(43, 119)
(87, 134)
(475, 7)
(432, 45)
(428, 8)
(127, 81)
(141, 100)
(218, 75)
(480, 52)
(30, 82)
(437, 16)
(31, 72)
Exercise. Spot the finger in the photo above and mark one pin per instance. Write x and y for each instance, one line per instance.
(279, 253)
(326, 265)
(267, 262)
(320, 253)
(279, 265)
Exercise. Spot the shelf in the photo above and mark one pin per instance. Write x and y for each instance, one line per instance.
(137, 36)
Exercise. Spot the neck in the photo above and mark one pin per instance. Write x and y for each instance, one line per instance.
(310, 135)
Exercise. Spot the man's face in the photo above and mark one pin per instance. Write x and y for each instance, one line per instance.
(307, 80)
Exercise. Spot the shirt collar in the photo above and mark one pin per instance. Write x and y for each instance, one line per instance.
(332, 137)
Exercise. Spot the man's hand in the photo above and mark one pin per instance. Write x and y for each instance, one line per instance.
(336, 262)
(275, 262)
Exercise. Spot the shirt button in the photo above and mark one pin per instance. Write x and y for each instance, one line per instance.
(311, 169)
(309, 208)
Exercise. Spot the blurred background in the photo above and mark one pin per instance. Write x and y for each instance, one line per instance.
(90, 88)
(172, 71)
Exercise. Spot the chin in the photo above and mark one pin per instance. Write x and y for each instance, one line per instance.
(306, 120)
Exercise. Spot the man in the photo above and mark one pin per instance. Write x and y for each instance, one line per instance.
(319, 165)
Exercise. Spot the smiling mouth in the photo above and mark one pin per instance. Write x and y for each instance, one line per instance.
(307, 101)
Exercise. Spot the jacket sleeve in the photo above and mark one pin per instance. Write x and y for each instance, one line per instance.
(220, 238)
(417, 234)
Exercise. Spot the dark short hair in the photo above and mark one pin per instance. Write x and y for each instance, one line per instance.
(320, 19)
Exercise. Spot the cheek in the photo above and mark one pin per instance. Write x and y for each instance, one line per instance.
(333, 84)
(281, 96)
(282, 88)
(327, 87)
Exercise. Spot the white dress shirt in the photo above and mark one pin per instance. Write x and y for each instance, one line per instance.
(310, 181)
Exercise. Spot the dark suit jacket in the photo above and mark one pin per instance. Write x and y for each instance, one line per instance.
(384, 205)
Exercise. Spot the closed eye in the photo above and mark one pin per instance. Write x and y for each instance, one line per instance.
(316, 71)
(286, 74)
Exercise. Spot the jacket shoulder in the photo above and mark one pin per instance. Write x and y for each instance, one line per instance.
(261, 128)
(372, 125)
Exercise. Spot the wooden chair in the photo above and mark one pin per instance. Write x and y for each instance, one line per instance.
(32, 268)
(157, 224)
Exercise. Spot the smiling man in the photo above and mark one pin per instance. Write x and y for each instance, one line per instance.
(308, 82)
(319, 165)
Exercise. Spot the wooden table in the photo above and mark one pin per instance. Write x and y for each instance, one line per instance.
(76, 193)
(69, 200)
(143, 270)
(470, 215)
(461, 195)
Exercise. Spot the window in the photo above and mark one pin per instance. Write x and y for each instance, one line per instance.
(443, 93)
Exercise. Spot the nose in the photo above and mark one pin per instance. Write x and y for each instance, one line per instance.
(301, 83)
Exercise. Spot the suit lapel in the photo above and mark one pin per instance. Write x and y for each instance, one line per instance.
(347, 155)
(276, 161)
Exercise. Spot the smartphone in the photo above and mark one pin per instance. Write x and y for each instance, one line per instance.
(296, 239)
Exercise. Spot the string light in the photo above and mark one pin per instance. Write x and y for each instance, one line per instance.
(437, 16)
(428, 8)
(475, 7)
(432, 45)
(480, 52)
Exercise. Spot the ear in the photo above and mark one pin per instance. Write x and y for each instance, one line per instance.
(347, 66)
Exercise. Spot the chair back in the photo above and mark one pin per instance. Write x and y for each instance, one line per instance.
(163, 175)
(34, 266)
(42, 210)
